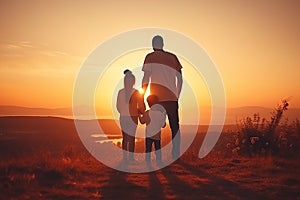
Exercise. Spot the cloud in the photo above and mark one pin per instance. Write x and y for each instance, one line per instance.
(15, 44)
(24, 54)
(12, 46)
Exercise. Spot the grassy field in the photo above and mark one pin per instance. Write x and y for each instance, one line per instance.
(43, 158)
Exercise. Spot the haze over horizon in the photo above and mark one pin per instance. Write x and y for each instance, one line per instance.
(233, 114)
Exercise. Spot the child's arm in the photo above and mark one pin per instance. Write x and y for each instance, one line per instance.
(142, 119)
(141, 103)
(145, 119)
(164, 122)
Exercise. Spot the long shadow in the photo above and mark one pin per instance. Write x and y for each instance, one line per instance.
(155, 187)
(121, 186)
(117, 187)
(177, 181)
(218, 187)
(181, 189)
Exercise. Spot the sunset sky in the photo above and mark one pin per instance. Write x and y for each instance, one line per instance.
(255, 44)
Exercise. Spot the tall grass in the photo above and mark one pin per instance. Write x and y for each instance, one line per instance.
(259, 136)
(42, 168)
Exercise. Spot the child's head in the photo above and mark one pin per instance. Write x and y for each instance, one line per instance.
(129, 79)
(152, 99)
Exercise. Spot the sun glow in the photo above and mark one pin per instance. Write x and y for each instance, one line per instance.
(141, 91)
(145, 93)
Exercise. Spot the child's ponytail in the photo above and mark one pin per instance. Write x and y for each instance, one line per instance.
(129, 81)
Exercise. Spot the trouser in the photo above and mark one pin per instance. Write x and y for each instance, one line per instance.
(128, 142)
(157, 146)
(171, 108)
(128, 126)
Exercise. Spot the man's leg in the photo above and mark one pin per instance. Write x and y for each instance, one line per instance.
(131, 147)
(172, 112)
(148, 148)
(157, 146)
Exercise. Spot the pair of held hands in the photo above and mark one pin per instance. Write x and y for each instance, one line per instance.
(145, 118)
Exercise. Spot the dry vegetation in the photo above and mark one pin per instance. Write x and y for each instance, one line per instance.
(262, 137)
(58, 166)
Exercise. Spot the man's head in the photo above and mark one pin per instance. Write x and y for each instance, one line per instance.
(157, 42)
(152, 99)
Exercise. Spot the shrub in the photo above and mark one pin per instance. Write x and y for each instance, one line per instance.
(256, 136)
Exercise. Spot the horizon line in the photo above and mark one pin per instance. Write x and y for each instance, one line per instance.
(70, 107)
(61, 117)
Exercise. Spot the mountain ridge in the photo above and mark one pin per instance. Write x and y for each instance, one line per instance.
(233, 115)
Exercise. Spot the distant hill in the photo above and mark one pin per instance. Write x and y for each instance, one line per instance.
(233, 114)
(19, 110)
(28, 133)
(51, 124)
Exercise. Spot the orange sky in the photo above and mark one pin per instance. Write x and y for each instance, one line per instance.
(43, 43)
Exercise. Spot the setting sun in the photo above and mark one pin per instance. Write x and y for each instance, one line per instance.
(141, 91)
(147, 93)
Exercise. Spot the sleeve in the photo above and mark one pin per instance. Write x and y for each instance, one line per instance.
(178, 65)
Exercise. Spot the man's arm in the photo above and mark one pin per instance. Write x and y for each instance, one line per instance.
(178, 68)
(163, 121)
(179, 82)
(145, 81)
(141, 103)
(147, 73)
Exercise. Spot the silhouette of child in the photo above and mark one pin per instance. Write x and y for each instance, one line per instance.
(130, 104)
(155, 119)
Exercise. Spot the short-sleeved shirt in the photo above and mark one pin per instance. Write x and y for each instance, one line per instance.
(163, 67)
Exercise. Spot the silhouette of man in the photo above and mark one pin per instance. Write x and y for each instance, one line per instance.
(162, 72)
